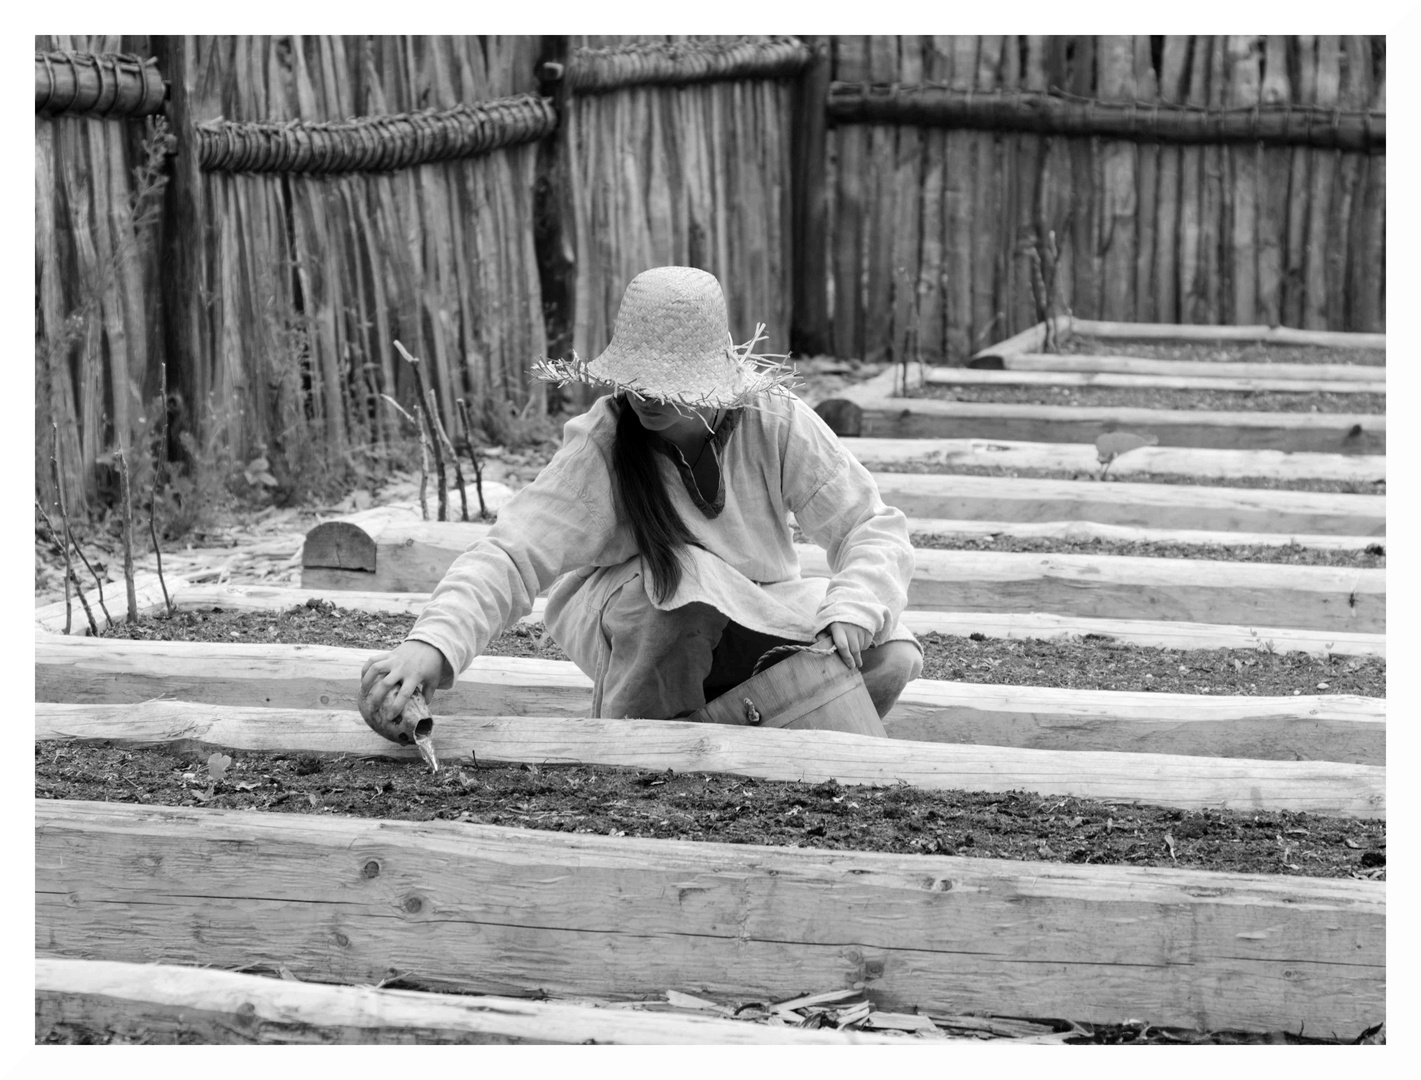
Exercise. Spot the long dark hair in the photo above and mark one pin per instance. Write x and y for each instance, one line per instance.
(655, 523)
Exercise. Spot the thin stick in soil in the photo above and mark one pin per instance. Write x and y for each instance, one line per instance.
(424, 396)
(423, 466)
(159, 462)
(126, 495)
(463, 408)
(442, 437)
(68, 574)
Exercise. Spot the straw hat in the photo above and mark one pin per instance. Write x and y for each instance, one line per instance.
(672, 343)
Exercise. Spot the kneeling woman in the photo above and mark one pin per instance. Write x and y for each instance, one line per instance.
(662, 528)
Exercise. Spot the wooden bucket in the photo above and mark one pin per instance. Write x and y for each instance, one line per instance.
(808, 689)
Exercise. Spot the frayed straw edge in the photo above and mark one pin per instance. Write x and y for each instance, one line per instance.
(770, 373)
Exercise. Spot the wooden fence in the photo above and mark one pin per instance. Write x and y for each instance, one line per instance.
(531, 177)
(934, 228)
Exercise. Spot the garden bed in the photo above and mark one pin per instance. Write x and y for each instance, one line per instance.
(1371, 557)
(1090, 664)
(1257, 352)
(1272, 401)
(725, 808)
(1323, 486)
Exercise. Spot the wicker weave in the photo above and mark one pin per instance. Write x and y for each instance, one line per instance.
(644, 63)
(374, 143)
(106, 84)
(672, 343)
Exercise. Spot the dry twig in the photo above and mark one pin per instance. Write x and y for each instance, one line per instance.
(424, 396)
(473, 455)
(126, 504)
(443, 437)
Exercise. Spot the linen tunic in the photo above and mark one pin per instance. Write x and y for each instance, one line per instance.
(780, 458)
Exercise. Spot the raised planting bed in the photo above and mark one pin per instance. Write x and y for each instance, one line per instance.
(269, 599)
(958, 385)
(933, 493)
(488, 909)
(1199, 416)
(1241, 468)
(1087, 538)
(407, 555)
(1331, 727)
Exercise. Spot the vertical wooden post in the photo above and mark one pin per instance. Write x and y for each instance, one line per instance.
(850, 65)
(554, 241)
(809, 318)
(1119, 199)
(1241, 306)
(180, 268)
(1274, 167)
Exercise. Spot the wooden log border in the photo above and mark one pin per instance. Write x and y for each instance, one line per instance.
(1032, 625)
(414, 556)
(1342, 728)
(162, 1002)
(499, 911)
(812, 757)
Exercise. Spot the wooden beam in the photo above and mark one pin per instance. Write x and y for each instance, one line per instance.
(921, 417)
(148, 591)
(1131, 587)
(1136, 504)
(511, 911)
(414, 556)
(1188, 332)
(164, 1002)
(1344, 728)
(1331, 728)
(1157, 633)
(1374, 378)
(1215, 380)
(1160, 634)
(1093, 530)
(1188, 782)
(1203, 462)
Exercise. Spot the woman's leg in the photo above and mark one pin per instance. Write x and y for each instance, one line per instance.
(888, 668)
(657, 661)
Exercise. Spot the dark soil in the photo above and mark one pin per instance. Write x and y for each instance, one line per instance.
(1094, 663)
(726, 809)
(1373, 556)
(1154, 398)
(1335, 487)
(1250, 352)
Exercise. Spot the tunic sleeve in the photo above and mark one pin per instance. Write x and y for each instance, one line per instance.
(837, 504)
(557, 523)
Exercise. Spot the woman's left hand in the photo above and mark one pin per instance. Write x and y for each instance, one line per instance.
(849, 641)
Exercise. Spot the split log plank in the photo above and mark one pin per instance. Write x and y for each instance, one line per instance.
(1094, 530)
(1344, 728)
(1159, 634)
(1357, 376)
(1331, 728)
(161, 1002)
(1131, 587)
(1191, 332)
(1133, 503)
(1162, 634)
(894, 454)
(1185, 781)
(496, 910)
(148, 591)
(922, 417)
(414, 556)
(1216, 380)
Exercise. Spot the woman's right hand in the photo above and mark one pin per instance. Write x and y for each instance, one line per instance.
(410, 666)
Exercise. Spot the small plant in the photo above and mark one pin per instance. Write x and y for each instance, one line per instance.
(217, 765)
(1112, 444)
